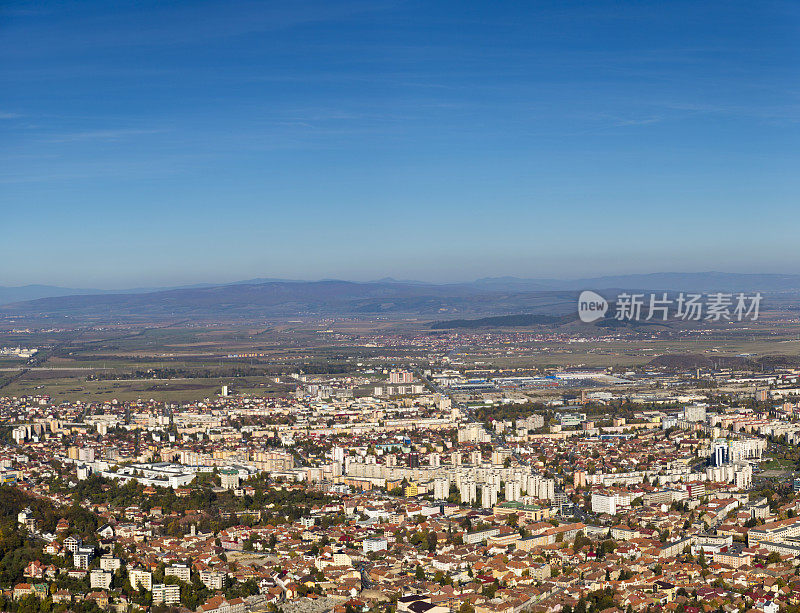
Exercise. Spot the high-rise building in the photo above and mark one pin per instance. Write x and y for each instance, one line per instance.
(473, 433)
(469, 492)
(401, 376)
(488, 495)
(513, 490)
(499, 456)
(719, 454)
(441, 489)
(695, 412)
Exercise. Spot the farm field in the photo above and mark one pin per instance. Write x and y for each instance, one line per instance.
(178, 361)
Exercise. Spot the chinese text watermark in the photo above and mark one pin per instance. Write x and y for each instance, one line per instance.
(684, 306)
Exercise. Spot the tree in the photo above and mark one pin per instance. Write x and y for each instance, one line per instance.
(466, 607)
(581, 541)
(490, 590)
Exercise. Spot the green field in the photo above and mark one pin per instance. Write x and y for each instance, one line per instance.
(178, 390)
(187, 362)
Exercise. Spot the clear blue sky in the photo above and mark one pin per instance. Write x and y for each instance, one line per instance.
(153, 142)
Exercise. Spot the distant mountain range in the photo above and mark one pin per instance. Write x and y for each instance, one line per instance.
(288, 299)
(23, 293)
(666, 281)
(284, 298)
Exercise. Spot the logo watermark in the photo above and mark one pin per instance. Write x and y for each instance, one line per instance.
(591, 306)
(684, 306)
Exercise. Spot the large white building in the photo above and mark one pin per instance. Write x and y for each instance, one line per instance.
(166, 594)
(158, 475)
(513, 490)
(441, 489)
(401, 376)
(473, 433)
(110, 563)
(181, 571)
(539, 487)
(489, 493)
(375, 544)
(99, 578)
(213, 580)
(478, 537)
(141, 578)
(229, 479)
(610, 503)
(469, 492)
(695, 413)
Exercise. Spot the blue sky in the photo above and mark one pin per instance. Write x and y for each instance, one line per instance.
(155, 143)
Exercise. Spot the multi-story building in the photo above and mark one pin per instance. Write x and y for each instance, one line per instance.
(469, 492)
(401, 376)
(470, 538)
(571, 420)
(110, 563)
(140, 579)
(695, 413)
(375, 544)
(166, 594)
(71, 543)
(441, 489)
(513, 490)
(272, 461)
(181, 571)
(229, 479)
(774, 532)
(488, 495)
(213, 580)
(610, 503)
(83, 557)
(473, 433)
(99, 578)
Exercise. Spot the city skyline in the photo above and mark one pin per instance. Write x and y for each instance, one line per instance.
(391, 306)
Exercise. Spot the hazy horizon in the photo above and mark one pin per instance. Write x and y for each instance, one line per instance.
(387, 278)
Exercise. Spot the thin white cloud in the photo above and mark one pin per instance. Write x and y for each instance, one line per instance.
(88, 135)
(638, 122)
